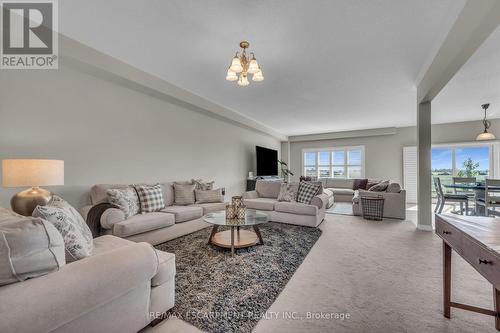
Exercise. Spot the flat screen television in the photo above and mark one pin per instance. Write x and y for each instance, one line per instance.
(267, 161)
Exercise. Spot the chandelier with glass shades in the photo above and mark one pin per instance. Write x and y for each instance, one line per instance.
(243, 66)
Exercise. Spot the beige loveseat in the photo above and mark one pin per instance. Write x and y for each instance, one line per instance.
(155, 228)
(265, 198)
(122, 287)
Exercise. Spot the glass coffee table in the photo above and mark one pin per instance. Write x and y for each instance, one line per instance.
(234, 238)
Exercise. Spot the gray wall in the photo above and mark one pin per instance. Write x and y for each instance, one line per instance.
(384, 154)
(107, 133)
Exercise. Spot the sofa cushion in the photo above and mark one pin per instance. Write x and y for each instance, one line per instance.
(342, 191)
(184, 194)
(168, 193)
(106, 243)
(29, 247)
(138, 224)
(211, 207)
(260, 203)
(184, 213)
(75, 232)
(125, 199)
(380, 187)
(268, 189)
(296, 208)
(166, 268)
(339, 183)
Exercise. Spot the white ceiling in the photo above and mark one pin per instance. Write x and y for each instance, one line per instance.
(329, 65)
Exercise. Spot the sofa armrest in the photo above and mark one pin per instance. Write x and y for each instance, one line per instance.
(111, 216)
(320, 201)
(250, 195)
(84, 211)
(50, 301)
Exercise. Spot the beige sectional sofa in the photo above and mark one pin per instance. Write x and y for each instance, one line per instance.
(120, 288)
(265, 198)
(157, 227)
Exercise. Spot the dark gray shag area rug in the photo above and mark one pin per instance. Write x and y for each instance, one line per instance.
(219, 293)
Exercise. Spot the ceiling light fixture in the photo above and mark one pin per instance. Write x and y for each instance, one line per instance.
(244, 66)
(487, 124)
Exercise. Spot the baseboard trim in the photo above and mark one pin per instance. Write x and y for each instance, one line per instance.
(425, 227)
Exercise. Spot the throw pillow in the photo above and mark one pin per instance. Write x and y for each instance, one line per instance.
(209, 196)
(29, 247)
(380, 187)
(201, 185)
(288, 192)
(371, 182)
(393, 188)
(307, 191)
(75, 232)
(359, 184)
(150, 197)
(184, 194)
(126, 199)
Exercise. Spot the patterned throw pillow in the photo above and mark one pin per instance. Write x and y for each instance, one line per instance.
(380, 187)
(209, 196)
(150, 197)
(126, 199)
(184, 194)
(201, 185)
(307, 191)
(288, 192)
(75, 232)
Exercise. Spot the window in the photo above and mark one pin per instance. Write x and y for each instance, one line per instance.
(341, 162)
(462, 160)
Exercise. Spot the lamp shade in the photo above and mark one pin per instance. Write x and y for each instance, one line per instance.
(485, 136)
(32, 173)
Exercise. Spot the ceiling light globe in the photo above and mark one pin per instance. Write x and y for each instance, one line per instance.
(485, 136)
(253, 66)
(243, 81)
(231, 76)
(236, 65)
(258, 77)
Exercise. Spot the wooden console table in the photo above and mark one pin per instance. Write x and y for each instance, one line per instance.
(477, 240)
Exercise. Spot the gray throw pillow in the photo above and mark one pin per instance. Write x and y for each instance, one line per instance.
(393, 188)
(126, 199)
(202, 185)
(209, 196)
(184, 194)
(29, 247)
(75, 232)
(288, 192)
(380, 187)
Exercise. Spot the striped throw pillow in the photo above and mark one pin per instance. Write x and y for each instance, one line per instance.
(209, 196)
(184, 194)
(150, 197)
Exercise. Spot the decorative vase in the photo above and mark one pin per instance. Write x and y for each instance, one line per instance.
(237, 201)
(241, 212)
(230, 212)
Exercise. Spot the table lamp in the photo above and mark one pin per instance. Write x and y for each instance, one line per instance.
(32, 173)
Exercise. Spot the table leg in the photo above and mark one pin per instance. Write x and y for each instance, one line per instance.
(257, 231)
(232, 241)
(446, 279)
(214, 231)
(496, 302)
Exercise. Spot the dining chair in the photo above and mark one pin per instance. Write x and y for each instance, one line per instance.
(444, 198)
(491, 198)
(464, 181)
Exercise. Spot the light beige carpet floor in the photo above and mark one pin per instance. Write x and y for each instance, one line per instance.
(385, 275)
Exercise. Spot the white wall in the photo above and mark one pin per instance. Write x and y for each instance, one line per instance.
(384, 154)
(108, 133)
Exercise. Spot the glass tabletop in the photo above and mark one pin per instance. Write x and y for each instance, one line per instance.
(252, 217)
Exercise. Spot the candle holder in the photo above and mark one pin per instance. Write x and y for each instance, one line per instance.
(230, 212)
(237, 201)
(241, 212)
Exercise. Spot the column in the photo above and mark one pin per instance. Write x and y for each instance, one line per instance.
(424, 189)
